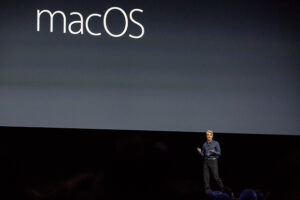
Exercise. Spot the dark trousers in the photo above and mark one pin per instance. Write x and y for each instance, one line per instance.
(211, 166)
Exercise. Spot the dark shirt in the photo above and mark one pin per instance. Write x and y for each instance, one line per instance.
(210, 146)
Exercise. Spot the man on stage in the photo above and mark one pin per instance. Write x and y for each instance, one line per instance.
(210, 151)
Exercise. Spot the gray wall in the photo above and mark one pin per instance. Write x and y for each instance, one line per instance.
(230, 66)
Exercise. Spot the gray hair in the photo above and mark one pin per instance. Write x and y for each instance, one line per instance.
(210, 131)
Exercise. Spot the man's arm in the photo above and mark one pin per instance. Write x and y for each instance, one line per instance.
(218, 149)
(201, 150)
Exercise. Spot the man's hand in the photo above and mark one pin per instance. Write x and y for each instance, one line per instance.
(199, 150)
(213, 151)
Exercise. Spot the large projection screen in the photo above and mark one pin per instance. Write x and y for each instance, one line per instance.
(230, 66)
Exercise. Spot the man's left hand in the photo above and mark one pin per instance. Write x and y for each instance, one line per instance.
(213, 151)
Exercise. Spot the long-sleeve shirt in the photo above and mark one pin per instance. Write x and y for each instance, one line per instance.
(210, 146)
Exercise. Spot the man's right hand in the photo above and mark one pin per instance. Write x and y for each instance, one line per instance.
(199, 150)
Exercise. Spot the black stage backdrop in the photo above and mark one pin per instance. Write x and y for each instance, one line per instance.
(38, 163)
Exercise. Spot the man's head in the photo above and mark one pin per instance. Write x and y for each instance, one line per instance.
(209, 135)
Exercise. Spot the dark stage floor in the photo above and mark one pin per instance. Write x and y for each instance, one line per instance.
(44, 163)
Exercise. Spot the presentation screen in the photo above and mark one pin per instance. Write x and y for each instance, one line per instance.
(158, 65)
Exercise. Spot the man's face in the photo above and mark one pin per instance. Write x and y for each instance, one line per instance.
(209, 136)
